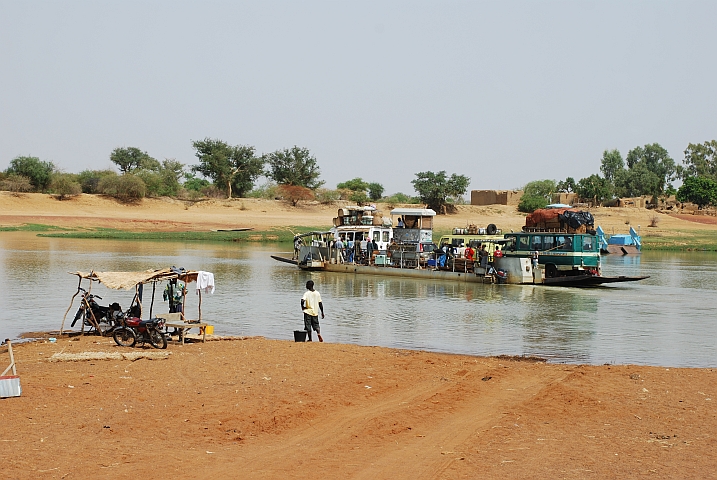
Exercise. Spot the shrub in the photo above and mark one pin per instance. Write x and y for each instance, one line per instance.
(294, 194)
(358, 197)
(326, 196)
(268, 191)
(90, 179)
(192, 182)
(530, 203)
(211, 191)
(398, 198)
(65, 185)
(16, 183)
(126, 188)
(152, 181)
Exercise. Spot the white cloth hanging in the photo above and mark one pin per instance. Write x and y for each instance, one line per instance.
(205, 282)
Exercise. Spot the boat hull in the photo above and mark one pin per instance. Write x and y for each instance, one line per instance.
(442, 275)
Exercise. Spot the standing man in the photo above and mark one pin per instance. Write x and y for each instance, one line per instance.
(369, 250)
(311, 305)
(174, 292)
(339, 251)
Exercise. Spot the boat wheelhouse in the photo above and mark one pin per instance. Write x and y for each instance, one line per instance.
(360, 224)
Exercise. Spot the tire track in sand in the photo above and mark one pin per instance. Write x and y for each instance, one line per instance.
(430, 422)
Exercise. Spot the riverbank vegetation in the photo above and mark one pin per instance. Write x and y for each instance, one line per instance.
(275, 235)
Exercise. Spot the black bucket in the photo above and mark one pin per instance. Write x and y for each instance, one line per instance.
(299, 335)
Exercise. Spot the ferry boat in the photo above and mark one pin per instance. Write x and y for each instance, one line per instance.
(555, 258)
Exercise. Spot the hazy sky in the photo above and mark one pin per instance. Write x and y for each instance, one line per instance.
(503, 92)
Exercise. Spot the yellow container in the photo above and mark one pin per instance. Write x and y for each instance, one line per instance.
(209, 329)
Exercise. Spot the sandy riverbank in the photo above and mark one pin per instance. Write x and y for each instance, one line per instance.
(258, 408)
(164, 214)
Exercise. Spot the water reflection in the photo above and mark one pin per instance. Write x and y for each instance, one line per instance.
(665, 320)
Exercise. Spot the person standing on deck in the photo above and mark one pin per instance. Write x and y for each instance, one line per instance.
(339, 250)
(311, 305)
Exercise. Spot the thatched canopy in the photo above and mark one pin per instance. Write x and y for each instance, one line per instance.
(128, 280)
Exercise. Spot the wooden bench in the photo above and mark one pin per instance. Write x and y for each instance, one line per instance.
(174, 320)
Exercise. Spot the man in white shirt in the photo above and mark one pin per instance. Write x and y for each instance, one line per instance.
(311, 305)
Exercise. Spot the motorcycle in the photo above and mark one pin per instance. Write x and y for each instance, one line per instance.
(133, 330)
(90, 312)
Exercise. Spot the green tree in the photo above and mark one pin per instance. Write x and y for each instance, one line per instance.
(130, 158)
(700, 160)
(194, 183)
(375, 191)
(230, 167)
(531, 203)
(566, 186)
(356, 185)
(594, 187)
(699, 190)
(39, 172)
(611, 164)
(656, 160)
(540, 188)
(436, 189)
(638, 180)
(294, 166)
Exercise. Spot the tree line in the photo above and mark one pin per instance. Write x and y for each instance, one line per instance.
(222, 170)
(645, 171)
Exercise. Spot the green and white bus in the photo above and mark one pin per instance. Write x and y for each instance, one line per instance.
(560, 254)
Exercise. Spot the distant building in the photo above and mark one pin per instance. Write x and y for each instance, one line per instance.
(565, 198)
(495, 197)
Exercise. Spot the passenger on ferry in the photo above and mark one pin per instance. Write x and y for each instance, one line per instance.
(369, 250)
(350, 250)
(339, 250)
(498, 252)
(483, 254)
(469, 253)
(400, 222)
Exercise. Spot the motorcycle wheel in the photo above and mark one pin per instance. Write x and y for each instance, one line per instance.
(157, 338)
(124, 337)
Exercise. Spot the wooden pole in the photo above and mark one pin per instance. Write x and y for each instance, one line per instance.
(12, 359)
(72, 300)
(184, 300)
(151, 306)
(200, 305)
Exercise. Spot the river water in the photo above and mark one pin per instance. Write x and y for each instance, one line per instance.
(668, 319)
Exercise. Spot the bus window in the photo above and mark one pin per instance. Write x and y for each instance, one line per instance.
(377, 236)
(588, 244)
(457, 242)
(548, 242)
(385, 236)
(523, 242)
(536, 242)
